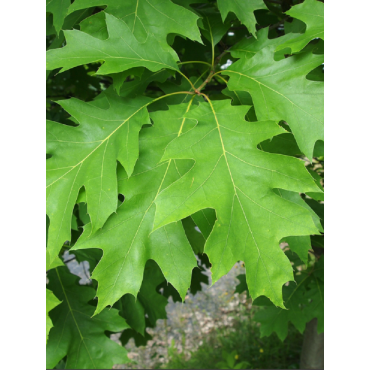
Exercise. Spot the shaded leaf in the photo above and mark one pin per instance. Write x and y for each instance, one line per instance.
(300, 244)
(212, 26)
(243, 10)
(304, 301)
(275, 319)
(238, 97)
(310, 12)
(145, 17)
(59, 9)
(95, 26)
(75, 334)
(248, 47)
(148, 302)
(139, 84)
(51, 302)
(194, 235)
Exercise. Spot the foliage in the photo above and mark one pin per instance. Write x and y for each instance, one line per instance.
(75, 334)
(304, 301)
(242, 341)
(180, 134)
(231, 361)
(51, 302)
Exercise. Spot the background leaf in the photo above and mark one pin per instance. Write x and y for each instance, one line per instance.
(75, 334)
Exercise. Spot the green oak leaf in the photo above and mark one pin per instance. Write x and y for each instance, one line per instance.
(317, 74)
(249, 47)
(296, 26)
(87, 156)
(318, 179)
(205, 220)
(304, 300)
(75, 333)
(126, 238)
(319, 269)
(281, 144)
(213, 27)
(316, 205)
(133, 74)
(145, 17)
(198, 227)
(51, 264)
(68, 23)
(51, 302)
(195, 237)
(148, 302)
(243, 9)
(193, 51)
(316, 308)
(280, 91)
(300, 244)
(95, 26)
(238, 97)
(310, 12)
(198, 277)
(287, 145)
(85, 89)
(139, 84)
(274, 319)
(242, 285)
(59, 9)
(187, 4)
(315, 295)
(92, 256)
(236, 179)
(121, 51)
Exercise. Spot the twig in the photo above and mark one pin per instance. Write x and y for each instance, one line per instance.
(70, 260)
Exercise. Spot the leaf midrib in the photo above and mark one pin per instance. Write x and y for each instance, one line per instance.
(152, 202)
(235, 193)
(73, 316)
(101, 143)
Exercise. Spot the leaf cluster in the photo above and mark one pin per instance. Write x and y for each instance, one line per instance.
(181, 135)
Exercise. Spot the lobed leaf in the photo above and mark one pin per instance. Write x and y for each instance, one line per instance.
(149, 303)
(51, 302)
(244, 10)
(121, 51)
(280, 91)
(148, 17)
(59, 9)
(236, 179)
(247, 48)
(304, 301)
(87, 156)
(75, 333)
(126, 238)
(310, 12)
